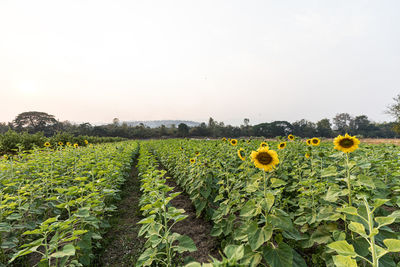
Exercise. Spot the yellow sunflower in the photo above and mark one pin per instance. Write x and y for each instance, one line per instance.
(47, 144)
(234, 142)
(265, 159)
(223, 139)
(5, 157)
(308, 142)
(241, 154)
(60, 143)
(291, 137)
(264, 144)
(181, 148)
(86, 142)
(307, 155)
(346, 143)
(315, 141)
(76, 145)
(197, 153)
(68, 144)
(282, 145)
(192, 160)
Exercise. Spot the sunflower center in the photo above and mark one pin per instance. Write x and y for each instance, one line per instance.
(242, 153)
(264, 158)
(315, 141)
(282, 145)
(346, 143)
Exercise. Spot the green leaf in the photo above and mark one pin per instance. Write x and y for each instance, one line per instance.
(193, 264)
(149, 219)
(366, 181)
(379, 251)
(68, 250)
(349, 210)
(342, 248)
(279, 256)
(382, 221)
(268, 201)
(277, 182)
(249, 209)
(393, 245)
(358, 228)
(333, 193)
(379, 202)
(344, 261)
(82, 212)
(258, 236)
(234, 252)
(330, 171)
(185, 244)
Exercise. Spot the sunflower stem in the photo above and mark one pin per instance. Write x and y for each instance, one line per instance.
(348, 178)
(265, 186)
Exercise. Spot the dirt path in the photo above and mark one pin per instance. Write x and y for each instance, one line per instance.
(196, 228)
(123, 246)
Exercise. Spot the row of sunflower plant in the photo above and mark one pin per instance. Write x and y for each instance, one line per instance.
(163, 245)
(55, 203)
(294, 202)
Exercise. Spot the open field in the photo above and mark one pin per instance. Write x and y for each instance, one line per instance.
(202, 202)
(380, 141)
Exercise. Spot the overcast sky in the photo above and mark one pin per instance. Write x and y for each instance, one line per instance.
(151, 60)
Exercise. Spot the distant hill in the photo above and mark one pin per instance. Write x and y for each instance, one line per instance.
(167, 123)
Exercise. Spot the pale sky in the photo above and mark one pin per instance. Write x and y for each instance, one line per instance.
(92, 61)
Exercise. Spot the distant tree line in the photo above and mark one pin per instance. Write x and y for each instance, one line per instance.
(34, 122)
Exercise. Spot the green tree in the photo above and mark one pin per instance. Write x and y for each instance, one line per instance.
(304, 128)
(342, 122)
(34, 121)
(324, 128)
(394, 111)
(183, 130)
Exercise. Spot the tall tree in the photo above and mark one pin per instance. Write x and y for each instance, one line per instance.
(304, 128)
(183, 130)
(34, 121)
(342, 122)
(394, 111)
(324, 128)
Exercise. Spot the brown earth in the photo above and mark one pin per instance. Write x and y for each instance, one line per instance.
(123, 246)
(198, 229)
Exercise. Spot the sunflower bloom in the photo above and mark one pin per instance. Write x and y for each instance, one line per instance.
(263, 145)
(192, 161)
(47, 144)
(315, 141)
(241, 154)
(223, 139)
(308, 142)
(307, 155)
(68, 144)
(346, 143)
(5, 157)
(76, 145)
(86, 142)
(282, 145)
(234, 142)
(197, 153)
(60, 143)
(291, 137)
(265, 159)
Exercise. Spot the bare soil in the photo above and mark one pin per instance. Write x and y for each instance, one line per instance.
(123, 246)
(198, 229)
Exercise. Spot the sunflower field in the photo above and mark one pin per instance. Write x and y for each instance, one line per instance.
(288, 202)
(54, 202)
(292, 202)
